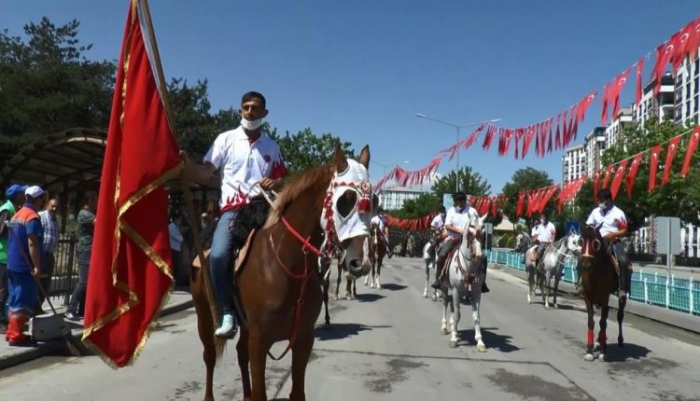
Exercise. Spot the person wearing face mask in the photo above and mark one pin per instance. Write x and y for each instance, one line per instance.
(247, 160)
(611, 222)
(545, 234)
(436, 228)
(380, 221)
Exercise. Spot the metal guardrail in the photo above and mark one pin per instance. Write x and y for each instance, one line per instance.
(679, 294)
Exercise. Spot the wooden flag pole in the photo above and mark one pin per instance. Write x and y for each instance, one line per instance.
(187, 194)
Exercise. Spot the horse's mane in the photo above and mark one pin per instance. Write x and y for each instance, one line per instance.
(295, 188)
(558, 242)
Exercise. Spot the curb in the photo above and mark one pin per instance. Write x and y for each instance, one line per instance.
(54, 346)
(669, 317)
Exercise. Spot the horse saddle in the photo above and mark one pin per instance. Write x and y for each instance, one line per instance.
(240, 258)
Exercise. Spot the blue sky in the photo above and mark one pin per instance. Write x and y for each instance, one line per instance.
(361, 69)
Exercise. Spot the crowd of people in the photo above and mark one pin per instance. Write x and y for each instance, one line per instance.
(29, 233)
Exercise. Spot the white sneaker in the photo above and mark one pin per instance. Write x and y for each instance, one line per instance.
(227, 328)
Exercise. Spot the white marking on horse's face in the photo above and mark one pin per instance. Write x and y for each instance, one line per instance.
(573, 243)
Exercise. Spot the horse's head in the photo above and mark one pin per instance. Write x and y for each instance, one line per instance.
(348, 206)
(573, 244)
(591, 244)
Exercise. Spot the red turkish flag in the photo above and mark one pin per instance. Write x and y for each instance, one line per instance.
(617, 179)
(692, 145)
(671, 152)
(519, 205)
(605, 99)
(664, 52)
(640, 88)
(131, 266)
(654, 166)
(596, 182)
(632, 173)
(557, 140)
(608, 174)
(488, 138)
(583, 105)
(681, 47)
(694, 39)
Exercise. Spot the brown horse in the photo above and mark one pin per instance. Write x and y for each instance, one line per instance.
(377, 250)
(279, 284)
(599, 279)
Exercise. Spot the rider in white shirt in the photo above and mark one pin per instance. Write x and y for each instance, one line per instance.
(247, 159)
(380, 220)
(545, 233)
(437, 228)
(611, 222)
(457, 220)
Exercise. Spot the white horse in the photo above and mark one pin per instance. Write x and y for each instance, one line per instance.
(551, 265)
(465, 278)
(429, 264)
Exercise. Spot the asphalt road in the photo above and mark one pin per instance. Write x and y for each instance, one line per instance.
(386, 345)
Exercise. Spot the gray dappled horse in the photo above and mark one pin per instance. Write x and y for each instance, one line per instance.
(551, 265)
(466, 274)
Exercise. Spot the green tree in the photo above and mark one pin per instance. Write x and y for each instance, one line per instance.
(471, 183)
(48, 85)
(305, 150)
(526, 179)
(195, 125)
(679, 197)
(421, 206)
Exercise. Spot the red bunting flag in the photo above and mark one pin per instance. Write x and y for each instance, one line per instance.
(640, 88)
(671, 152)
(608, 174)
(664, 52)
(653, 166)
(694, 39)
(596, 181)
(692, 145)
(519, 205)
(131, 266)
(617, 179)
(636, 161)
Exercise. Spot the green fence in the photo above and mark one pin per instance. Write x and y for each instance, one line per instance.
(680, 294)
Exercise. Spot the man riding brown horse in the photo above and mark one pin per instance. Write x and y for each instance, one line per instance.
(248, 160)
(379, 220)
(611, 222)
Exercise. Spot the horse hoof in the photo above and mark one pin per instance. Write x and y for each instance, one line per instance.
(601, 357)
(453, 344)
(556, 306)
(444, 330)
(588, 357)
(546, 306)
(529, 300)
(481, 348)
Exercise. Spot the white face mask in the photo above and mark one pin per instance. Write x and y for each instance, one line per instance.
(251, 125)
(602, 205)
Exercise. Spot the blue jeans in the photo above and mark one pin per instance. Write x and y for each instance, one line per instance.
(219, 262)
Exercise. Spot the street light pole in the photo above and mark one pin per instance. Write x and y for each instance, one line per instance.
(457, 128)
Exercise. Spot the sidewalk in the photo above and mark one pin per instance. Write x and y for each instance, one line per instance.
(678, 271)
(670, 317)
(13, 356)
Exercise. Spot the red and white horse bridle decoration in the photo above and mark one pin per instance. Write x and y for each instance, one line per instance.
(338, 228)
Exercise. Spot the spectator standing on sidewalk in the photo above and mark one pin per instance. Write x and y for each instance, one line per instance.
(24, 253)
(86, 228)
(14, 199)
(176, 240)
(51, 231)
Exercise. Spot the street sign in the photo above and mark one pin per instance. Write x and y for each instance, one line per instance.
(572, 226)
(447, 201)
(668, 235)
